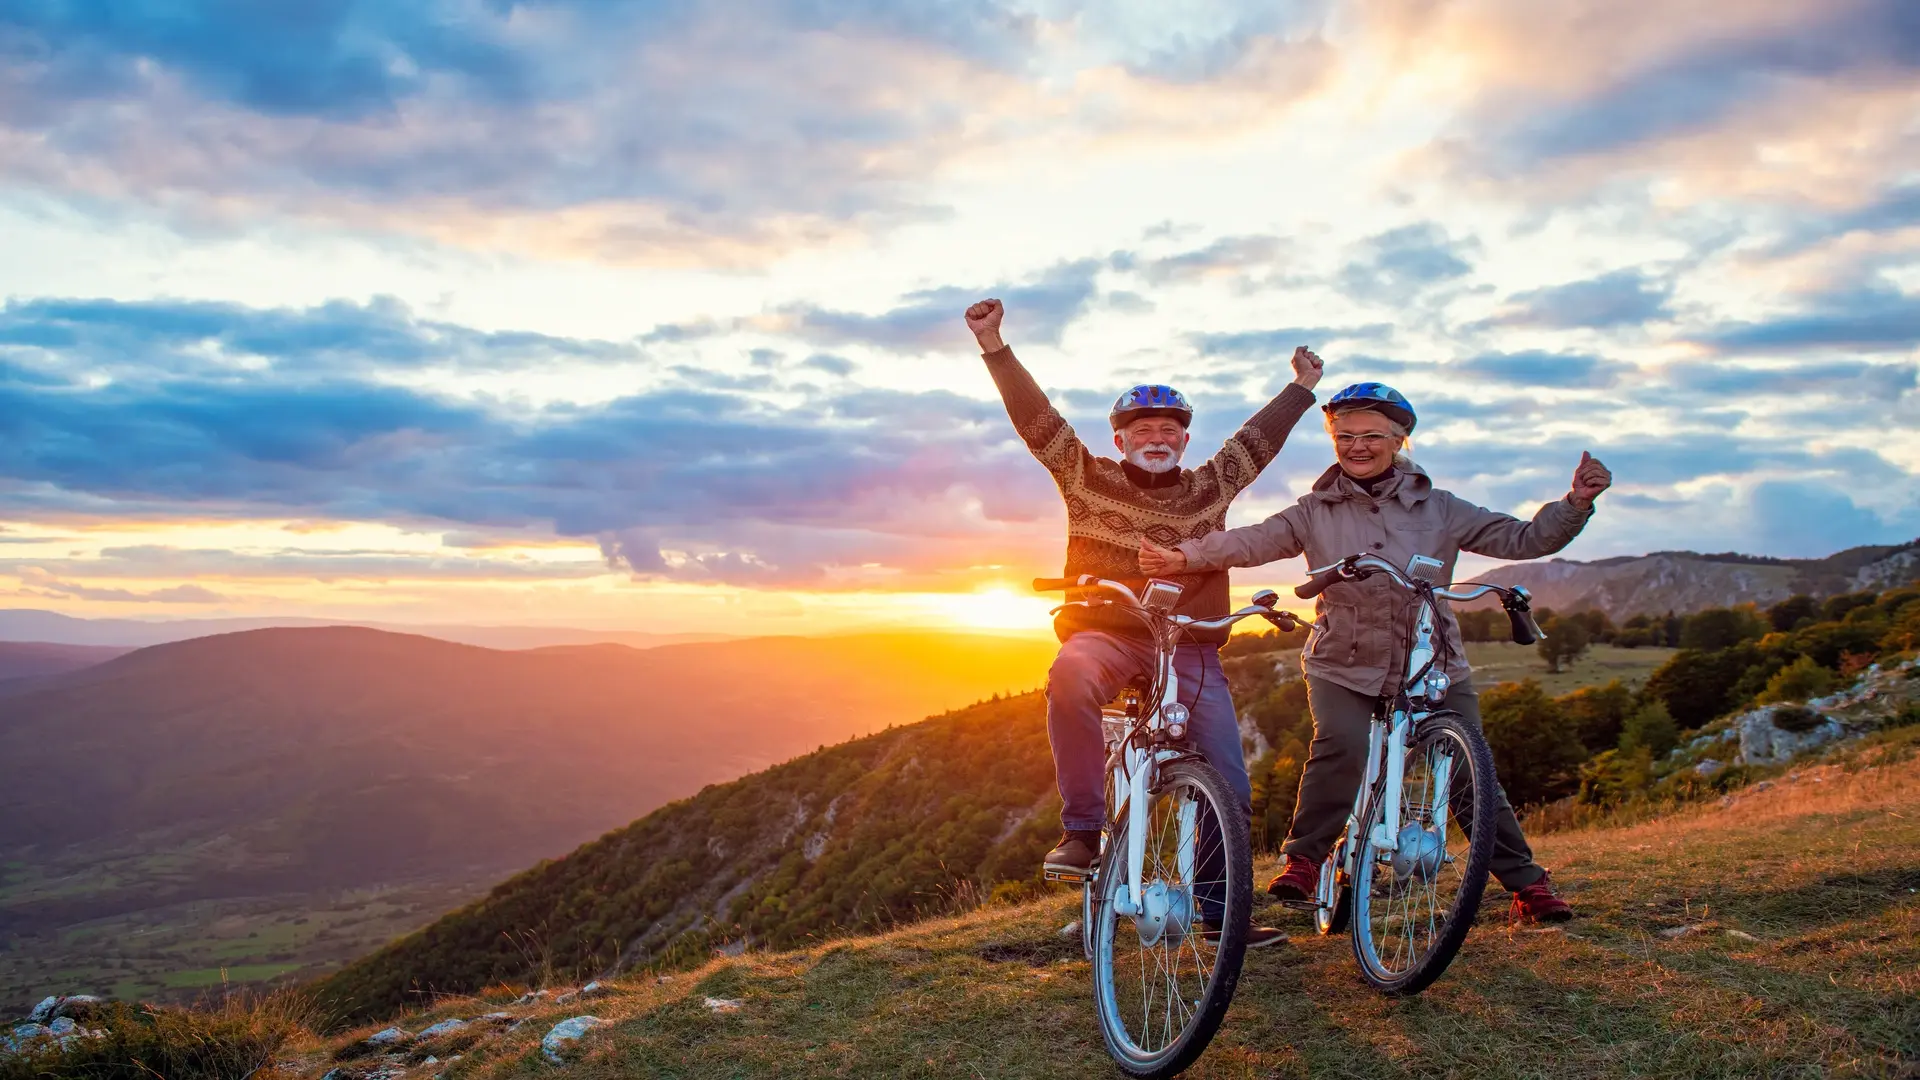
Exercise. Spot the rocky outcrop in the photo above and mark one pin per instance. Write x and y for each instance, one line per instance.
(564, 1035)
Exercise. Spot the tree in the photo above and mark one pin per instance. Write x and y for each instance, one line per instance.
(1801, 680)
(1697, 686)
(1534, 749)
(1789, 613)
(1651, 729)
(1566, 639)
(1596, 714)
(1720, 628)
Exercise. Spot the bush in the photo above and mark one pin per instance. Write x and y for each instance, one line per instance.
(1797, 718)
(240, 1038)
(1615, 776)
(1794, 610)
(1720, 628)
(1802, 680)
(1651, 729)
(1698, 686)
(1535, 752)
(1596, 714)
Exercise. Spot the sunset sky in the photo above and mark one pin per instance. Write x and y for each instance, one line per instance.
(647, 315)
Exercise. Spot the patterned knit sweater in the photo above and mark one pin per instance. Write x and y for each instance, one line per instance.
(1113, 505)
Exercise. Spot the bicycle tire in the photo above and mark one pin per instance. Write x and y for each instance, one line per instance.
(1443, 940)
(1177, 1050)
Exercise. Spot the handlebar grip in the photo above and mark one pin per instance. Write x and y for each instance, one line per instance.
(1524, 630)
(1317, 584)
(1054, 584)
(1284, 621)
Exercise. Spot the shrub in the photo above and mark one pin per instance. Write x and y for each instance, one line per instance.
(1720, 628)
(1697, 686)
(1650, 729)
(1797, 718)
(1802, 680)
(1596, 714)
(1615, 776)
(1791, 612)
(239, 1038)
(1535, 752)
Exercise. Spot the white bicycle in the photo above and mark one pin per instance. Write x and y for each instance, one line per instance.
(1165, 912)
(1409, 870)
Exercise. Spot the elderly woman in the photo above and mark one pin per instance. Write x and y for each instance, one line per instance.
(1376, 500)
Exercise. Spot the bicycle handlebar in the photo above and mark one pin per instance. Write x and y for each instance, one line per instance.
(1515, 599)
(1283, 620)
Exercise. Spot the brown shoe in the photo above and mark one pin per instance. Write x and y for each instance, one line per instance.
(1075, 855)
(1298, 884)
(1539, 903)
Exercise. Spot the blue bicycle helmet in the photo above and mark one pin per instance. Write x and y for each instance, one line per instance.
(1150, 400)
(1378, 397)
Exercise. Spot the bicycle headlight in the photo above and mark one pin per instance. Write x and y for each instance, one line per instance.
(1175, 714)
(1437, 686)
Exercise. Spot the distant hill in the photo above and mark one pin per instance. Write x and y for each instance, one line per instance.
(299, 762)
(28, 624)
(26, 659)
(1686, 581)
(917, 820)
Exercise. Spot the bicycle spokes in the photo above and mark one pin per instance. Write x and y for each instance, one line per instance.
(1412, 888)
(1164, 957)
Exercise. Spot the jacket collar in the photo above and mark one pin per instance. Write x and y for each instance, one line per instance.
(1411, 486)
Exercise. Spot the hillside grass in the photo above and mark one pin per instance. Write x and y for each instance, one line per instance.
(1775, 934)
(1502, 661)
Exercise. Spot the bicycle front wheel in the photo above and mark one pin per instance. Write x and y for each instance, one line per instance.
(1412, 906)
(1163, 977)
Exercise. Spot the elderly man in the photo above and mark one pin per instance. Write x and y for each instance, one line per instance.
(1112, 507)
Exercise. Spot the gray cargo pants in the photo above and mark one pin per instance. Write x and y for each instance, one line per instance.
(1337, 761)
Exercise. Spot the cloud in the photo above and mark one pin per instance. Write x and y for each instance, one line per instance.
(730, 483)
(1561, 371)
(1694, 81)
(45, 584)
(1397, 265)
(116, 336)
(1815, 519)
(1267, 344)
(664, 133)
(1038, 310)
(1227, 257)
(1621, 297)
(1853, 380)
(1876, 319)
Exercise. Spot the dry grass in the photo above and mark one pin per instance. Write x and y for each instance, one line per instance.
(1799, 956)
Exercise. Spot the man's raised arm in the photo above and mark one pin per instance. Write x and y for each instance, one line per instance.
(1047, 434)
(1261, 437)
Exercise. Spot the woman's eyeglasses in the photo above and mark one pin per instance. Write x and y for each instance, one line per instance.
(1372, 440)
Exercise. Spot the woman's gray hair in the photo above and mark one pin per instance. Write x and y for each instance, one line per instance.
(1400, 457)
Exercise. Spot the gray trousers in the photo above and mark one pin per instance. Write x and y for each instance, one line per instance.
(1337, 762)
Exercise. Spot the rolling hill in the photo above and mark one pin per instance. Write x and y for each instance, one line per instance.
(27, 659)
(300, 763)
(1684, 581)
(30, 624)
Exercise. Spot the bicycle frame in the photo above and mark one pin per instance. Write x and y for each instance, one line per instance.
(1157, 737)
(1398, 713)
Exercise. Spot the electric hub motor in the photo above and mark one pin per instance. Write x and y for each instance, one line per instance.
(1420, 853)
(1166, 912)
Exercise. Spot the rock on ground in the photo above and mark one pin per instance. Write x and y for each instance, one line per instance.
(392, 1036)
(565, 1032)
(442, 1028)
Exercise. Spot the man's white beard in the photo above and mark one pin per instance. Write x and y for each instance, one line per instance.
(1138, 456)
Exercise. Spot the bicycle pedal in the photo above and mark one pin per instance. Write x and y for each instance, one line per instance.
(1068, 877)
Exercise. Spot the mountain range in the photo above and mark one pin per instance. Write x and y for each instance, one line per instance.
(302, 762)
(1687, 581)
(28, 624)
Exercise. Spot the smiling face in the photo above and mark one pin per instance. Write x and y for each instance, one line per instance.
(1153, 443)
(1364, 441)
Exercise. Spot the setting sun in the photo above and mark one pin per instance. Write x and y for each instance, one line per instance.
(997, 607)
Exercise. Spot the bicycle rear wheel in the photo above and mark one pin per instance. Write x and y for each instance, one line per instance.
(1161, 980)
(1412, 906)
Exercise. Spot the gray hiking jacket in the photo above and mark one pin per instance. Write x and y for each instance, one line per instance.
(1360, 628)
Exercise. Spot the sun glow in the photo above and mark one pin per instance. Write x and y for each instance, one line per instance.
(996, 607)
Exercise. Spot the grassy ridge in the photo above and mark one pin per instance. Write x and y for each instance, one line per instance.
(1778, 935)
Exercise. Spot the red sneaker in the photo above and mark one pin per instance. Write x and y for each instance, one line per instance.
(1539, 903)
(1298, 884)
